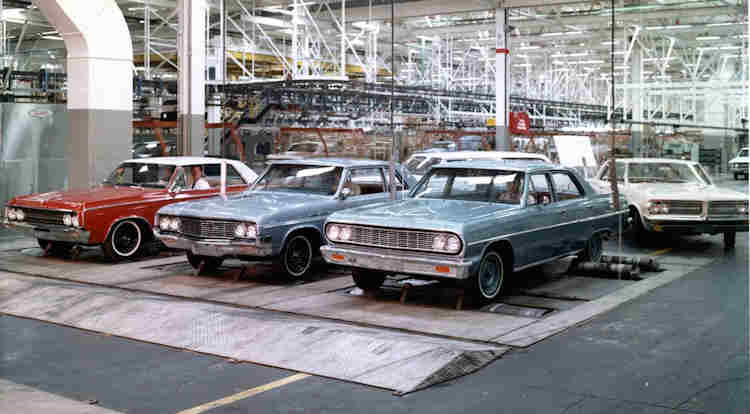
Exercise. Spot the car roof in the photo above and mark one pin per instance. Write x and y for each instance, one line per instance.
(508, 166)
(181, 161)
(480, 154)
(656, 160)
(337, 162)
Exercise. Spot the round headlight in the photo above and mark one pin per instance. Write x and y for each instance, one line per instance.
(20, 215)
(75, 221)
(164, 223)
(453, 244)
(174, 224)
(252, 232)
(438, 243)
(240, 230)
(346, 233)
(665, 209)
(67, 220)
(333, 232)
(742, 210)
(11, 214)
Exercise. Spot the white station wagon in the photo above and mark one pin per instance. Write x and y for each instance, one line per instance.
(666, 195)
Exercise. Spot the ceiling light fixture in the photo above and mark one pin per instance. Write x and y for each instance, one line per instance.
(708, 38)
(529, 47)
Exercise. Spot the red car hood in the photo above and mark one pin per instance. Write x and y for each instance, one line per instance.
(93, 197)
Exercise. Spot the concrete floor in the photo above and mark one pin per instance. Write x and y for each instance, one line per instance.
(674, 342)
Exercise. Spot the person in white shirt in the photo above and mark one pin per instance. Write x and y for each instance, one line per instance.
(199, 183)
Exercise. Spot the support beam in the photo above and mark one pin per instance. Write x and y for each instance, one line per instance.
(191, 76)
(502, 137)
(100, 85)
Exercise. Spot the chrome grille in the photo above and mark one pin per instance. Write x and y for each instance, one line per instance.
(684, 208)
(392, 238)
(41, 216)
(725, 208)
(208, 229)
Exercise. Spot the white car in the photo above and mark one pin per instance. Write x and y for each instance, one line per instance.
(738, 164)
(666, 195)
(419, 163)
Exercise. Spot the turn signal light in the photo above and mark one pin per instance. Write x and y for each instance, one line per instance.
(338, 257)
(443, 269)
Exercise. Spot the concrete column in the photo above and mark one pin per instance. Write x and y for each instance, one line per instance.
(191, 78)
(502, 80)
(636, 98)
(100, 85)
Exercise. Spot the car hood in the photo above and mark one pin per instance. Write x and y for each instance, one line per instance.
(87, 198)
(255, 206)
(740, 159)
(426, 214)
(689, 191)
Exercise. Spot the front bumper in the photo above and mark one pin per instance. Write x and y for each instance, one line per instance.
(49, 232)
(711, 226)
(215, 247)
(397, 263)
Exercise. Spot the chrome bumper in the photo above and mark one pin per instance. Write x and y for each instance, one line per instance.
(697, 226)
(214, 247)
(49, 232)
(397, 263)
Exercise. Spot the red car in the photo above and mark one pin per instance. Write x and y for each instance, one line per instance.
(119, 214)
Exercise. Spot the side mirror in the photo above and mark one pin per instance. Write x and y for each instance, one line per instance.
(345, 193)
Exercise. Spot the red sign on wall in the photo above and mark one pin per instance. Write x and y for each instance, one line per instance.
(520, 123)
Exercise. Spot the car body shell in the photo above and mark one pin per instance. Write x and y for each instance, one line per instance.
(276, 214)
(99, 208)
(533, 234)
(739, 164)
(701, 195)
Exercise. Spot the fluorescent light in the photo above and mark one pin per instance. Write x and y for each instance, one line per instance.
(529, 47)
(578, 54)
(708, 48)
(558, 62)
(587, 62)
(730, 47)
(609, 42)
(721, 24)
(708, 38)
(523, 65)
(52, 37)
(521, 56)
(621, 67)
(679, 26)
(655, 28)
(620, 52)
(561, 33)
(659, 59)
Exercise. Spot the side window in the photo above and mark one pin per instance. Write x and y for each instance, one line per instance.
(605, 173)
(539, 192)
(566, 188)
(233, 177)
(179, 180)
(363, 181)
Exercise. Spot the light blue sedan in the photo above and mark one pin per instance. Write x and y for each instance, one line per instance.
(475, 222)
(280, 217)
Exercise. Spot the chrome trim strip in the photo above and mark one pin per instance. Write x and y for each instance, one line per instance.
(551, 259)
(295, 222)
(128, 203)
(547, 227)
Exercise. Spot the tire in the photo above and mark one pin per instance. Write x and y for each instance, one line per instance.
(593, 250)
(125, 240)
(730, 238)
(368, 280)
(296, 257)
(210, 263)
(487, 284)
(636, 225)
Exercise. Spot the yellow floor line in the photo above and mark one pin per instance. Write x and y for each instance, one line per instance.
(662, 251)
(244, 394)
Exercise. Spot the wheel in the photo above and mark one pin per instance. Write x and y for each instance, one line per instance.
(730, 238)
(57, 247)
(593, 250)
(124, 240)
(636, 225)
(368, 280)
(209, 263)
(488, 282)
(296, 257)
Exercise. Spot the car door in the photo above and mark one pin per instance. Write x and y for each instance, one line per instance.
(543, 239)
(574, 209)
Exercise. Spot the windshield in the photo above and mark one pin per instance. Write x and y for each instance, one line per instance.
(141, 175)
(303, 147)
(661, 172)
(468, 184)
(309, 179)
(742, 153)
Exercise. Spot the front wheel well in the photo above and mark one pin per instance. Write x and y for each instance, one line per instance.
(505, 249)
(315, 237)
(143, 224)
